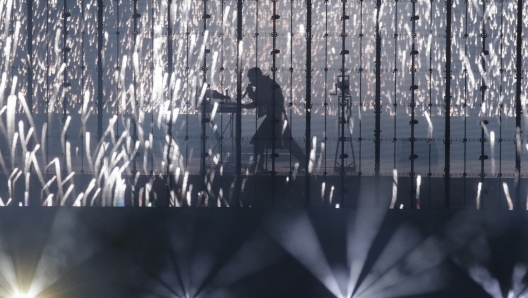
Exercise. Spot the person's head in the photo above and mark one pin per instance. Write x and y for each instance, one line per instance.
(254, 74)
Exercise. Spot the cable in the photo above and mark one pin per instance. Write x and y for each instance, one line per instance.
(274, 53)
(325, 104)
(500, 92)
(117, 68)
(464, 175)
(483, 88)
(415, 204)
(290, 104)
(395, 71)
(343, 103)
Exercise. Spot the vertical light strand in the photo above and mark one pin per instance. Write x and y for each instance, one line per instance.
(135, 109)
(413, 88)
(325, 104)
(47, 87)
(151, 137)
(501, 99)
(83, 68)
(483, 88)
(100, 87)
(188, 96)
(65, 83)
(290, 105)
(395, 71)
(223, 101)
(360, 109)
(274, 88)
(344, 102)
(447, 105)
(518, 107)
(308, 108)
(205, 120)
(238, 136)
(466, 58)
(117, 69)
(430, 105)
(377, 104)
(29, 96)
(256, 157)
(170, 69)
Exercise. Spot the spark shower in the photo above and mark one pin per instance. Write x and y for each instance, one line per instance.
(135, 103)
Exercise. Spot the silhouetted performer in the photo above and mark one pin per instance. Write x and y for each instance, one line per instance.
(261, 98)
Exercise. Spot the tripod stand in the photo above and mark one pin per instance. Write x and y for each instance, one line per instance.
(343, 128)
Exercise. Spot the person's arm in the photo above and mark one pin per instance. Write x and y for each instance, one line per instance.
(251, 94)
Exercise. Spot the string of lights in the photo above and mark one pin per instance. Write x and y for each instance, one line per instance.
(274, 121)
(483, 88)
(343, 104)
(414, 52)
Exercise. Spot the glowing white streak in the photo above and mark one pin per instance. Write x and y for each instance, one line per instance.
(95, 196)
(240, 49)
(3, 164)
(3, 87)
(14, 85)
(188, 196)
(482, 276)
(202, 49)
(67, 178)
(7, 49)
(100, 155)
(135, 63)
(123, 94)
(394, 188)
(78, 200)
(88, 190)
(492, 145)
(323, 186)
(36, 165)
(321, 155)
(26, 193)
(14, 145)
(86, 102)
(418, 184)
(49, 200)
(63, 133)
(10, 118)
(215, 108)
(479, 188)
(312, 154)
(28, 114)
(507, 195)
(430, 126)
(65, 197)
(88, 151)
(331, 194)
(202, 94)
(47, 185)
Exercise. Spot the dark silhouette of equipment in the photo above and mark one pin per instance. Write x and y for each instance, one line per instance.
(342, 90)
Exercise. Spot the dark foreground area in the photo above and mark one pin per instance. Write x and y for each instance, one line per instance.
(261, 252)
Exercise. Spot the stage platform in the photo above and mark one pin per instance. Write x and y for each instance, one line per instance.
(261, 252)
